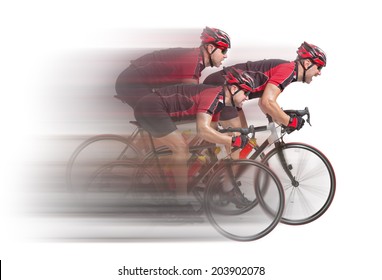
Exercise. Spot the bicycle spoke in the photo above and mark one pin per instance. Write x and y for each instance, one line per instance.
(264, 206)
(95, 153)
(311, 191)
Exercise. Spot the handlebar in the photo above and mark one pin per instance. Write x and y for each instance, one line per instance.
(252, 129)
(244, 131)
(300, 113)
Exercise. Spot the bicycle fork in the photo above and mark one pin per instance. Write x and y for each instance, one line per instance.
(287, 167)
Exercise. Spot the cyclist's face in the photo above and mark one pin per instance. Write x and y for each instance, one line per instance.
(313, 71)
(218, 56)
(239, 98)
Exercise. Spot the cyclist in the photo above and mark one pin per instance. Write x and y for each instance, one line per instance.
(172, 66)
(278, 75)
(157, 112)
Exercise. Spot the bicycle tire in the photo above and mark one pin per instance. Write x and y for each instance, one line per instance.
(140, 185)
(94, 153)
(253, 222)
(311, 197)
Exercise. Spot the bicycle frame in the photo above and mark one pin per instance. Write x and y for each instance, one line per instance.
(273, 139)
(205, 169)
(276, 140)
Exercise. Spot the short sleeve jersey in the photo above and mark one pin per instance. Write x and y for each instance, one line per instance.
(275, 71)
(183, 102)
(165, 67)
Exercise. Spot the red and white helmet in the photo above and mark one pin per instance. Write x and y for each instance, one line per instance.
(239, 78)
(312, 52)
(216, 37)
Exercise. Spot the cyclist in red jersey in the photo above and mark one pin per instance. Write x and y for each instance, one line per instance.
(172, 66)
(157, 111)
(278, 74)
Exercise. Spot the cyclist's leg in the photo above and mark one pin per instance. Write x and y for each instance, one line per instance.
(229, 117)
(156, 120)
(178, 161)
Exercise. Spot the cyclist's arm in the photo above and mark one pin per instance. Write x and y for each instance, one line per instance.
(208, 133)
(269, 105)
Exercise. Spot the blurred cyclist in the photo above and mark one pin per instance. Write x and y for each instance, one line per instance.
(172, 66)
(157, 112)
(278, 75)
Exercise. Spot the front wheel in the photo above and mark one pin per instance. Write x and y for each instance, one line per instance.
(308, 180)
(253, 221)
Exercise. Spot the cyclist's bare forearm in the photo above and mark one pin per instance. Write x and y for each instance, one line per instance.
(208, 133)
(269, 105)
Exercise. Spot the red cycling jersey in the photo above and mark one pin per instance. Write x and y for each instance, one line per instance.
(164, 67)
(158, 69)
(157, 111)
(275, 71)
(278, 72)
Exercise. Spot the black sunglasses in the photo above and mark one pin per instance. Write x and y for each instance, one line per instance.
(246, 93)
(223, 50)
(319, 67)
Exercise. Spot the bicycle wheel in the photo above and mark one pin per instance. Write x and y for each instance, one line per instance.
(94, 153)
(139, 184)
(252, 222)
(310, 186)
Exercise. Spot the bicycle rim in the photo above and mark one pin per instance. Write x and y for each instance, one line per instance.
(313, 191)
(252, 222)
(94, 153)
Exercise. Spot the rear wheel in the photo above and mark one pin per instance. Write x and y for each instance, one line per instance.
(94, 154)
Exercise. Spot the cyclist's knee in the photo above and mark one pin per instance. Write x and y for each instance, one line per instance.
(176, 143)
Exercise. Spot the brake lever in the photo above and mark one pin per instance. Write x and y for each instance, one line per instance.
(308, 114)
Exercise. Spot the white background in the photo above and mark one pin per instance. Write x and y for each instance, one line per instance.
(344, 243)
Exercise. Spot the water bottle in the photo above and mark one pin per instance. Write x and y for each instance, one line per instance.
(248, 149)
(196, 165)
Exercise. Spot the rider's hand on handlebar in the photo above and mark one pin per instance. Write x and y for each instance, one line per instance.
(295, 123)
(239, 141)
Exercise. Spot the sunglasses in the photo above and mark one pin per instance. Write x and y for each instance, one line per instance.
(319, 67)
(223, 50)
(246, 93)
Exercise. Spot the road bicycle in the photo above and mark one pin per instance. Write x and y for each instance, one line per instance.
(306, 174)
(143, 183)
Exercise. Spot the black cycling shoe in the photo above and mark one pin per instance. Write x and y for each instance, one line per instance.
(236, 197)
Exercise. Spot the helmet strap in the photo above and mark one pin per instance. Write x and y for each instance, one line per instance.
(202, 56)
(303, 74)
(209, 55)
(305, 69)
(232, 95)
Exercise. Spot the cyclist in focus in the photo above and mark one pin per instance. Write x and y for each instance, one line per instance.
(278, 75)
(172, 66)
(157, 112)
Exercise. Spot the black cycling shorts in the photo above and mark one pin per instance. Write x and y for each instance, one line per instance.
(132, 94)
(152, 116)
